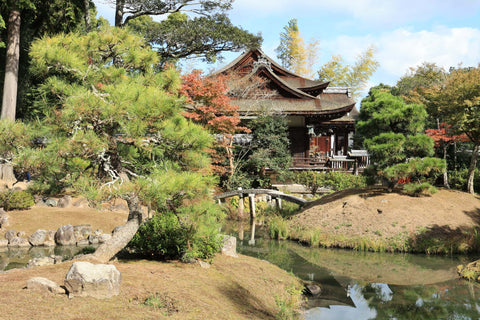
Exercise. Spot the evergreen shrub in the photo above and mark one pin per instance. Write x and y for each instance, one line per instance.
(16, 200)
(457, 179)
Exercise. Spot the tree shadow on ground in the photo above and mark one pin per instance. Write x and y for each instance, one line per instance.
(474, 215)
(243, 300)
(444, 239)
(366, 192)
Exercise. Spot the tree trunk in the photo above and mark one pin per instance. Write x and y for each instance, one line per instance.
(471, 169)
(445, 173)
(106, 251)
(86, 4)
(9, 102)
(120, 4)
(6, 173)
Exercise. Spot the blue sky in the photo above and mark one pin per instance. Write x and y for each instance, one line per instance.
(404, 32)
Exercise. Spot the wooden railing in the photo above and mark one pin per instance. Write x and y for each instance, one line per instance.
(335, 163)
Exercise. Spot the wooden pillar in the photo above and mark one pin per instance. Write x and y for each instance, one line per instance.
(251, 242)
(278, 201)
(241, 206)
(252, 206)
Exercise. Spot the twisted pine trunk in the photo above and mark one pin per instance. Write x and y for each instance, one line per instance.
(106, 251)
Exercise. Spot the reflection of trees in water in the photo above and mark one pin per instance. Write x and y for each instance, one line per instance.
(442, 301)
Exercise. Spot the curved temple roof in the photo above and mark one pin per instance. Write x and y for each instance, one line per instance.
(295, 95)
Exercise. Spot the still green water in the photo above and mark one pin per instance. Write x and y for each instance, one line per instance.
(365, 285)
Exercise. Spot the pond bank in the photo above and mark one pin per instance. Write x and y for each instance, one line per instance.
(377, 220)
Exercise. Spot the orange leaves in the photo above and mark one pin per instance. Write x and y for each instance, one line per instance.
(211, 105)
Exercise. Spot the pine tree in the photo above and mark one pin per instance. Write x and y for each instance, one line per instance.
(113, 126)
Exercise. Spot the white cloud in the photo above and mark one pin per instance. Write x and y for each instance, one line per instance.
(401, 49)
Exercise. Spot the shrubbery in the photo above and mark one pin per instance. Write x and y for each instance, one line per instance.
(16, 200)
(162, 237)
(335, 181)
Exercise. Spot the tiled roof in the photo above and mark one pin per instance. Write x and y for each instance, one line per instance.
(296, 95)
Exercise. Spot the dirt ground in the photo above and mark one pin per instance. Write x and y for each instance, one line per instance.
(383, 214)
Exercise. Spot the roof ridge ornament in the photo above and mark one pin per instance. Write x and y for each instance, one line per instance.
(262, 62)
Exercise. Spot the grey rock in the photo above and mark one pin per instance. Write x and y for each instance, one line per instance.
(82, 231)
(38, 237)
(229, 247)
(98, 232)
(64, 202)
(98, 281)
(51, 202)
(21, 234)
(3, 243)
(65, 236)
(18, 242)
(93, 239)
(43, 284)
(10, 234)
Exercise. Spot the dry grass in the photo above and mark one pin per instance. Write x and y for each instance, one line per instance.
(232, 288)
(52, 218)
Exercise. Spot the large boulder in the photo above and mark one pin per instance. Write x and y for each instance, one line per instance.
(65, 236)
(93, 280)
(43, 284)
(38, 237)
(229, 247)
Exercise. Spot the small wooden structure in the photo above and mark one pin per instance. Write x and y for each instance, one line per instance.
(273, 195)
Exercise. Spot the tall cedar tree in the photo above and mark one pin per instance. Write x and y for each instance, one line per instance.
(210, 106)
(113, 126)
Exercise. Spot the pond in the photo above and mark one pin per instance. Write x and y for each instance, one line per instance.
(11, 258)
(365, 285)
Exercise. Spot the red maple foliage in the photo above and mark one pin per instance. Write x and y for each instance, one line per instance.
(209, 105)
(444, 135)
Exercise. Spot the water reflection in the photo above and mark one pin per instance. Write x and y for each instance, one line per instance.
(359, 285)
